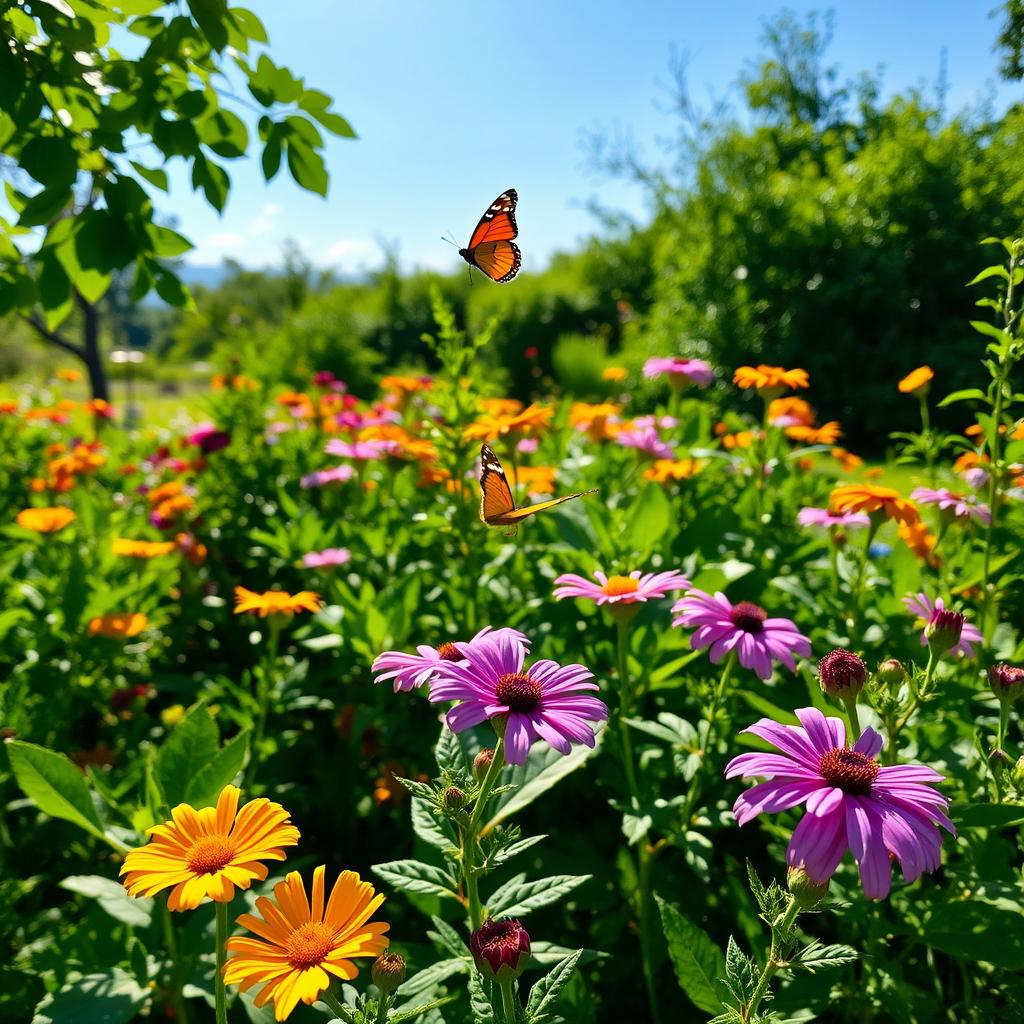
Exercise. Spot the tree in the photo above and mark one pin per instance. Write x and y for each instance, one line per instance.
(1011, 40)
(87, 128)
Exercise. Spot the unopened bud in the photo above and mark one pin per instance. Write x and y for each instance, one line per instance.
(1017, 774)
(1007, 682)
(891, 672)
(842, 674)
(807, 893)
(453, 799)
(388, 972)
(500, 949)
(481, 763)
(943, 630)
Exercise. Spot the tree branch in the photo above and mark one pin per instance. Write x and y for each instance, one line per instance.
(52, 337)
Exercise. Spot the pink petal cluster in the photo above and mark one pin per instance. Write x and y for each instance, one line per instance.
(361, 451)
(880, 813)
(322, 477)
(822, 517)
(923, 606)
(744, 628)
(646, 440)
(207, 437)
(326, 558)
(963, 507)
(620, 589)
(696, 370)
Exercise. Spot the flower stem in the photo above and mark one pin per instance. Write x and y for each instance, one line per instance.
(177, 1000)
(509, 1002)
(339, 1011)
(625, 705)
(781, 932)
(268, 669)
(471, 836)
(918, 695)
(220, 995)
(850, 703)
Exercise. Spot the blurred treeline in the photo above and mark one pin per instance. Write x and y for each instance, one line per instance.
(813, 221)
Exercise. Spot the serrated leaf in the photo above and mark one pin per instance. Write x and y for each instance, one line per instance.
(480, 1000)
(430, 977)
(448, 751)
(416, 876)
(698, 962)
(815, 955)
(518, 897)
(447, 937)
(514, 849)
(427, 826)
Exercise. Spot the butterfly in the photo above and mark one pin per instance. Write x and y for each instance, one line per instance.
(497, 506)
(491, 248)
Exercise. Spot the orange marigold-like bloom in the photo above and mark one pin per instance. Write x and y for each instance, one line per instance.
(300, 404)
(868, 498)
(874, 473)
(99, 408)
(8, 408)
(118, 625)
(275, 602)
(614, 373)
(741, 439)
(827, 433)
(409, 447)
(209, 852)
(235, 382)
(920, 540)
(306, 941)
(68, 375)
(500, 406)
(769, 378)
(142, 548)
(917, 380)
(595, 420)
(45, 520)
(846, 459)
(52, 415)
(795, 409)
(535, 479)
(173, 507)
(529, 421)
(664, 470)
(405, 385)
(187, 544)
(156, 495)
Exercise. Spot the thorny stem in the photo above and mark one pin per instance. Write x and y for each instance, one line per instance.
(781, 932)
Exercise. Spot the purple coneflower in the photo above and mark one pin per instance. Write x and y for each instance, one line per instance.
(822, 517)
(410, 671)
(545, 702)
(962, 507)
(621, 589)
(744, 628)
(322, 477)
(698, 371)
(924, 608)
(646, 440)
(878, 812)
(325, 558)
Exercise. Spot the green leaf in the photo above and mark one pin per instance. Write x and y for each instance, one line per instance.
(741, 972)
(545, 991)
(193, 744)
(415, 876)
(427, 979)
(156, 176)
(167, 243)
(19, 993)
(670, 728)
(964, 395)
(306, 166)
(517, 897)
(112, 898)
(649, 519)
(815, 955)
(987, 815)
(480, 1003)
(448, 751)
(213, 180)
(416, 1012)
(990, 330)
(53, 783)
(225, 133)
(427, 826)
(514, 849)
(698, 962)
(171, 288)
(213, 18)
(996, 271)
(113, 997)
(205, 786)
(270, 160)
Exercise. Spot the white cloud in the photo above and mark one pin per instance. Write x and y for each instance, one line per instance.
(350, 253)
(223, 240)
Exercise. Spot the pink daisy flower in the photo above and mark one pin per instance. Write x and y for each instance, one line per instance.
(646, 440)
(853, 803)
(962, 507)
(322, 477)
(744, 628)
(362, 451)
(620, 589)
(325, 558)
(822, 517)
(698, 371)
(208, 438)
(546, 702)
(410, 671)
(924, 608)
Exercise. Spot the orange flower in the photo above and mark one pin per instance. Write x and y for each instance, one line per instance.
(595, 420)
(405, 385)
(535, 479)
(209, 852)
(768, 379)
(529, 421)
(238, 382)
(142, 548)
(968, 461)
(99, 408)
(52, 415)
(876, 501)
(918, 538)
(8, 408)
(118, 624)
(172, 508)
(742, 439)
(45, 520)
(156, 495)
(791, 409)
(275, 602)
(500, 406)
(874, 473)
(665, 470)
(301, 405)
(916, 382)
(846, 459)
(418, 449)
(191, 548)
(614, 373)
(69, 375)
(827, 433)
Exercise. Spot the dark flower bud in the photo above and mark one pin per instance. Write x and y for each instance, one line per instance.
(482, 762)
(842, 674)
(1007, 682)
(388, 972)
(453, 799)
(807, 893)
(943, 630)
(500, 949)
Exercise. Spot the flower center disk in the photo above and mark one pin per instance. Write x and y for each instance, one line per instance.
(748, 617)
(848, 770)
(309, 944)
(210, 854)
(518, 692)
(618, 586)
(448, 652)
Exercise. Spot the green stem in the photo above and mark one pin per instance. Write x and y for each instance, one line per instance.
(220, 995)
(509, 1002)
(918, 696)
(339, 1011)
(382, 1010)
(780, 935)
(646, 861)
(705, 744)
(850, 703)
(177, 1000)
(858, 585)
(1004, 719)
(625, 705)
(926, 433)
(471, 838)
(268, 669)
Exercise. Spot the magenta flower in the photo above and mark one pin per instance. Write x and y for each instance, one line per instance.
(362, 451)
(410, 671)
(327, 557)
(208, 438)
(961, 507)
(322, 477)
(744, 628)
(696, 370)
(923, 607)
(853, 803)
(621, 589)
(657, 422)
(646, 440)
(547, 702)
(822, 517)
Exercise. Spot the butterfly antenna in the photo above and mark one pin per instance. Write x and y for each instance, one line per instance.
(450, 241)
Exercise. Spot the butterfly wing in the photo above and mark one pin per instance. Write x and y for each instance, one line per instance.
(498, 223)
(500, 260)
(496, 501)
(518, 514)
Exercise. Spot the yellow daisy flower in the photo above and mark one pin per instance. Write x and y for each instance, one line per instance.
(275, 602)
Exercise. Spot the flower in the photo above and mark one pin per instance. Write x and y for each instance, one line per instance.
(743, 627)
(327, 557)
(664, 470)
(645, 440)
(827, 433)
(209, 852)
(847, 460)
(920, 540)
(190, 548)
(547, 702)
(306, 941)
(536, 480)
(697, 371)
(388, 972)
(769, 379)
(614, 374)
(69, 375)
(493, 424)
(361, 451)
(923, 607)
(322, 477)
(868, 498)
(916, 382)
(878, 812)
(405, 385)
(45, 520)
(410, 671)
(142, 548)
(790, 412)
(275, 602)
(823, 517)
(621, 589)
(500, 949)
(842, 674)
(118, 624)
(599, 422)
(960, 506)
(943, 630)
(208, 438)
(1007, 682)
(99, 407)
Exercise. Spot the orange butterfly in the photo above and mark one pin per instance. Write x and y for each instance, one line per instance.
(491, 248)
(497, 506)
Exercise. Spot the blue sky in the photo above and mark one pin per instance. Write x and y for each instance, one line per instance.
(454, 102)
